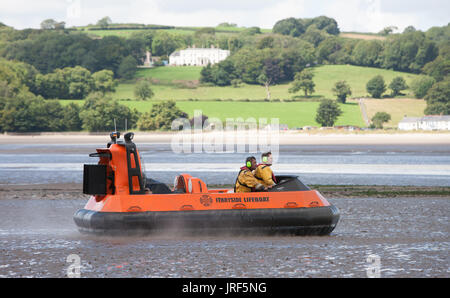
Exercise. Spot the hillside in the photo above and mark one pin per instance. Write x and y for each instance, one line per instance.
(230, 102)
(168, 84)
(220, 30)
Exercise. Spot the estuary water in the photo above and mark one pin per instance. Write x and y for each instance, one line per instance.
(418, 165)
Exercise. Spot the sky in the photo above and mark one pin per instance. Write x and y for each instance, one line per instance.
(351, 15)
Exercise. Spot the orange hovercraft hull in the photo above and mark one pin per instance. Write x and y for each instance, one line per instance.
(120, 203)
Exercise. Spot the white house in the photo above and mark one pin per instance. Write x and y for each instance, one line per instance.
(435, 122)
(409, 123)
(198, 56)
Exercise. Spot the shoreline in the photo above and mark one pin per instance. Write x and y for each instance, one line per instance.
(62, 191)
(283, 138)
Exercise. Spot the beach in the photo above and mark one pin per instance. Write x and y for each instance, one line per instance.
(409, 236)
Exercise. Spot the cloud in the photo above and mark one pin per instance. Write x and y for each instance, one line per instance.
(351, 15)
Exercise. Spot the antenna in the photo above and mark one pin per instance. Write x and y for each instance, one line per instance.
(126, 124)
(115, 127)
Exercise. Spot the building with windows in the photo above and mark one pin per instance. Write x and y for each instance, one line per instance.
(198, 56)
(432, 122)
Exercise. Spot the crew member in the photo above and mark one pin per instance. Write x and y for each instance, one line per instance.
(246, 181)
(263, 171)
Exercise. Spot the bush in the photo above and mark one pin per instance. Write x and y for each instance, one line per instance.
(379, 118)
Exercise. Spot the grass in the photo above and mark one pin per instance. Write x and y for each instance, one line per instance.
(325, 78)
(294, 114)
(171, 73)
(220, 30)
(365, 36)
(396, 107)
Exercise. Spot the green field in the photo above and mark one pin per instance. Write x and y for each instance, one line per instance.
(294, 114)
(177, 30)
(170, 73)
(325, 78)
(227, 102)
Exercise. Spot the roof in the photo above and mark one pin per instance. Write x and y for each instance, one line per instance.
(410, 119)
(426, 118)
(436, 118)
(177, 53)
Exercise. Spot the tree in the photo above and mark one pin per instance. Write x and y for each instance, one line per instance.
(409, 29)
(379, 118)
(303, 81)
(79, 81)
(376, 86)
(251, 31)
(104, 81)
(68, 83)
(439, 68)
(388, 30)
(104, 22)
(342, 90)
(327, 113)
(205, 30)
(236, 83)
(71, 117)
(397, 84)
(438, 98)
(264, 80)
(165, 44)
(421, 85)
(329, 25)
(127, 68)
(328, 47)
(408, 52)
(368, 53)
(99, 113)
(289, 26)
(161, 116)
(48, 24)
(142, 90)
(271, 74)
(206, 74)
(28, 113)
(265, 42)
(314, 35)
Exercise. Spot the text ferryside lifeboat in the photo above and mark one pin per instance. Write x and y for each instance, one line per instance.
(121, 203)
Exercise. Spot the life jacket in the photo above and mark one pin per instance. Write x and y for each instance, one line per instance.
(244, 168)
(264, 166)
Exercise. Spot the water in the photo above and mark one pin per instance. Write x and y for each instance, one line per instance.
(419, 165)
(410, 236)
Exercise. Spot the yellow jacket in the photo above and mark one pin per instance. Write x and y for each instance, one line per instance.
(264, 174)
(246, 181)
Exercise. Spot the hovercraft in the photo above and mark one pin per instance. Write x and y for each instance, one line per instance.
(124, 201)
